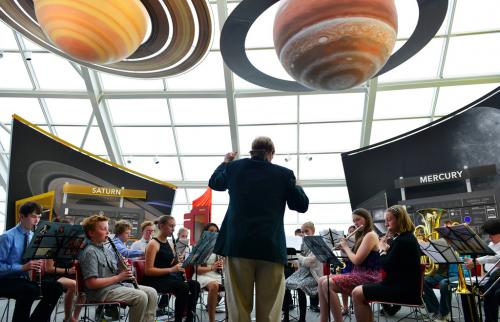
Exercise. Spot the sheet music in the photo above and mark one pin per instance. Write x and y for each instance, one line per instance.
(464, 240)
(293, 242)
(439, 251)
(320, 249)
(329, 234)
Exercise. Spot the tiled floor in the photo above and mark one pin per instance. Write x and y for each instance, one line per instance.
(311, 316)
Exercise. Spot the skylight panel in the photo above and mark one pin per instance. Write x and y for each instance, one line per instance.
(139, 111)
(255, 110)
(149, 140)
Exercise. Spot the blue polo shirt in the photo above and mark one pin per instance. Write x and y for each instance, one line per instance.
(11, 252)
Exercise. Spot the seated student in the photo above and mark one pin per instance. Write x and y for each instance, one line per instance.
(401, 263)
(122, 234)
(305, 279)
(492, 300)
(183, 234)
(347, 269)
(14, 270)
(209, 277)
(366, 267)
(104, 282)
(147, 229)
(63, 271)
(164, 272)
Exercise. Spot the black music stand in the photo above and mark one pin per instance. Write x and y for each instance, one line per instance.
(201, 252)
(441, 253)
(464, 240)
(53, 240)
(324, 254)
(57, 241)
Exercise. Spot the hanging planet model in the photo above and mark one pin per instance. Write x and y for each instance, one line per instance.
(99, 32)
(334, 44)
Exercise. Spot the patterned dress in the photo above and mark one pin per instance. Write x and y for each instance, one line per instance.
(365, 273)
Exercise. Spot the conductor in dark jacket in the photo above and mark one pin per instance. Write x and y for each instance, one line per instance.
(252, 235)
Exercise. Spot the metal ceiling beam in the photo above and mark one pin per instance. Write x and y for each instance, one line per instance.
(24, 93)
(368, 111)
(34, 80)
(174, 133)
(442, 59)
(102, 114)
(4, 170)
(229, 82)
(391, 86)
(303, 183)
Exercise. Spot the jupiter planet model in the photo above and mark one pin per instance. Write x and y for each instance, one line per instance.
(334, 44)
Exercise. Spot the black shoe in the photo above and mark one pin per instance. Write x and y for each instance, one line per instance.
(112, 311)
(314, 308)
(162, 311)
(393, 310)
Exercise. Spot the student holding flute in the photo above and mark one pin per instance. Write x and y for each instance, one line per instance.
(401, 263)
(366, 268)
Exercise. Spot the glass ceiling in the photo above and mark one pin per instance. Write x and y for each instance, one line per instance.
(189, 122)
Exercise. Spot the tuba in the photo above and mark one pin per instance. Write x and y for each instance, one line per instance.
(469, 306)
(426, 231)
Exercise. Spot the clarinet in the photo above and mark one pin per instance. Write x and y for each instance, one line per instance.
(36, 275)
(177, 256)
(122, 263)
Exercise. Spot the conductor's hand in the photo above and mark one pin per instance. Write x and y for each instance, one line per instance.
(125, 274)
(32, 265)
(230, 156)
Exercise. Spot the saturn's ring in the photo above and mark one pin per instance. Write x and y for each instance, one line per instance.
(232, 42)
(171, 48)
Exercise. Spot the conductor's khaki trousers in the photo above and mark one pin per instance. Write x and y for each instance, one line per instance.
(241, 274)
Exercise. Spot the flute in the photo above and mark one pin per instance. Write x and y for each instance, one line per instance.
(122, 262)
(350, 235)
(355, 231)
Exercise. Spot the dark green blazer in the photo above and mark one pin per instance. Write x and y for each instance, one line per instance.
(258, 193)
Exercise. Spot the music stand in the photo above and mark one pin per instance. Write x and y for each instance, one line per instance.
(53, 240)
(324, 254)
(441, 253)
(201, 252)
(464, 240)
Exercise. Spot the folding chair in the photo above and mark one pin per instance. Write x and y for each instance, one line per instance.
(416, 309)
(140, 271)
(87, 303)
(5, 313)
